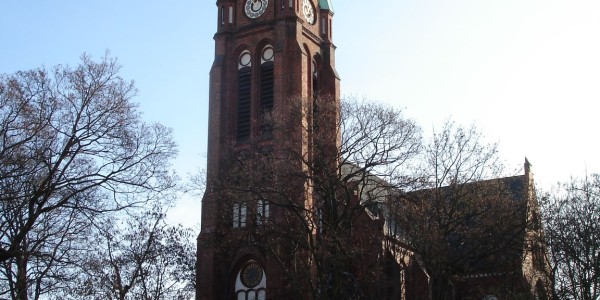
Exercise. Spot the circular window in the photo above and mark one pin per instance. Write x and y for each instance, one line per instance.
(252, 275)
(267, 54)
(245, 59)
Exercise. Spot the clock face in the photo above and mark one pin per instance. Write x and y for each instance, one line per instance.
(251, 275)
(309, 11)
(255, 8)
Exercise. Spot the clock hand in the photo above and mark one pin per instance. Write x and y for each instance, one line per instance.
(256, 2)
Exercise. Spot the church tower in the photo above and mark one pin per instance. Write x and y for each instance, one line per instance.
(272, 57)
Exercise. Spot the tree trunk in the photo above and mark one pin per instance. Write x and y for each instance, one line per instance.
(440, 288)
(21, 284)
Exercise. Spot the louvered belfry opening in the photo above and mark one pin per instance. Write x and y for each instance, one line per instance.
(244, 109)
(267, 81)
(266, 97)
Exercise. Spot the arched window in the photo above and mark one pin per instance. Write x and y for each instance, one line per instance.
(244, 105)
(251, 282)
(267, 68)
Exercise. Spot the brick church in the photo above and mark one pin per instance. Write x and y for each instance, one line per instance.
(273, 109)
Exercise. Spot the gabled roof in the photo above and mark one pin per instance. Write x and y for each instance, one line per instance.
(514, 185)
(514, 189)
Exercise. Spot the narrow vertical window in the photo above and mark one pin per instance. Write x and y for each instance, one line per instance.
(239, 215)
(236, 214)
(267, 89)
(314, 84)
(262, 212)
(222, 15)
(231, 15)
(315, 79)
(244, 96)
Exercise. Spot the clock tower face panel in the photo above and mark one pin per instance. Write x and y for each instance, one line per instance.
(255, 8)
(242, 13)
(308, 11)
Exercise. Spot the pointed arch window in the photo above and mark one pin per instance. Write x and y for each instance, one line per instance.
(267, 81)
(244, 105)
(251, 282)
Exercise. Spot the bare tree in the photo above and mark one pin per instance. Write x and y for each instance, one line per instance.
(460, 219)
(48, 263)
(72, 145)
(572, 223)
(137, 257)
(323, 200)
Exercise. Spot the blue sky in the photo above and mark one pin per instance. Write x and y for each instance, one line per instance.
(527, 72)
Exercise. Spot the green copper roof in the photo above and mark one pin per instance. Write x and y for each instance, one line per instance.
(326, 4)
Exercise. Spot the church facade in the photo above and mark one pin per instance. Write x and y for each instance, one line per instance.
(275, 60)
